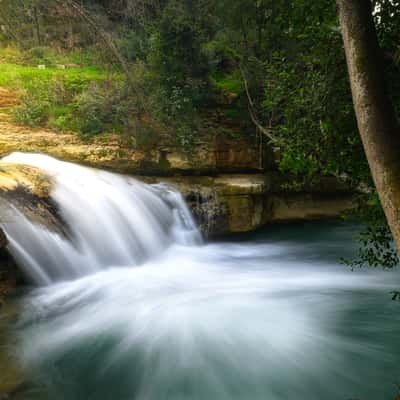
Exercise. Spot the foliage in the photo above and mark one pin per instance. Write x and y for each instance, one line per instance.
(32, 112)
(17, 76)
(376, 243)
(171, 61)
(230, 82)
(93, 110)
(48, 95)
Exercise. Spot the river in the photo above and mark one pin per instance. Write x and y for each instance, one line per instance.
(138, 307)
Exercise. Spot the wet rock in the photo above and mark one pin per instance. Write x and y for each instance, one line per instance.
(234, 203)
(18, 176)
(27, 190)
(221, 204)
(309, 206)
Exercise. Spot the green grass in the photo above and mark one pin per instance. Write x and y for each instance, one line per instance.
(229, 83)
(233, 113)
(15, 76)
(49, 96)
(48, 56)
(11, 55)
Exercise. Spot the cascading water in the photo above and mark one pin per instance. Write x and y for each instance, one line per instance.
(270, 317)
(113, 221)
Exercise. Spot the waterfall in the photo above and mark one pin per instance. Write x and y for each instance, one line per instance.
(113, 220)
(272, 316)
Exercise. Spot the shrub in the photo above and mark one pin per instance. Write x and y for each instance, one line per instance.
(33, 110)
(10, 54)
(35, 104)
(41, 55)
(96, 109)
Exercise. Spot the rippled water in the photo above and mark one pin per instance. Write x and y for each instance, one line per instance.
(271, 316)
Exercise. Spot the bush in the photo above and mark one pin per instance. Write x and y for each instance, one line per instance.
(133, 46)
(97, 108)
(10, 54)
(92, 111)
(41, 55)
(33, 111)
(35, 104)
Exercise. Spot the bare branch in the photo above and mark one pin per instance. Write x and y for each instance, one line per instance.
(253, 115)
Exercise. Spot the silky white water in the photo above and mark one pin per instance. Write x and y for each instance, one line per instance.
(113, 220)
(136, 307)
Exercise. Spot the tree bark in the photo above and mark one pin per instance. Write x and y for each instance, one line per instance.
(37, 26)
(377, 123)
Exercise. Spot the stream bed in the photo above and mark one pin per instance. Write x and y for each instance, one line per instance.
(272, 316)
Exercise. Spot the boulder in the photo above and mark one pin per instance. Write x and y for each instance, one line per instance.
(28, 189)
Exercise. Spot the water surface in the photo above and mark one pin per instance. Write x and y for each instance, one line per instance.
(270, 316)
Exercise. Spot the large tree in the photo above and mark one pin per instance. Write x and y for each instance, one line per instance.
(377, 123)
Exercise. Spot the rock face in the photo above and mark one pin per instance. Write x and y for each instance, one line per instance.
(242, 203)
(152, 154)
(221, 204)
(28, 190)
(208, 155)
(225, 203)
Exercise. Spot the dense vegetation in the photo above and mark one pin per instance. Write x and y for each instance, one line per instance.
(144, 68)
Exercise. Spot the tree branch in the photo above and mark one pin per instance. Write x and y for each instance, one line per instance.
(252, 112)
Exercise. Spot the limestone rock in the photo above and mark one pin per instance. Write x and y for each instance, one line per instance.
(110, 151)
(309, 206)
(28, 189)
(233, 203)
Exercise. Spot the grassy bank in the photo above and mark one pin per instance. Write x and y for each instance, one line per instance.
(57, 93)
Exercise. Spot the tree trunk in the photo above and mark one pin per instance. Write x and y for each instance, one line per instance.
(37, 26)
(377, 123)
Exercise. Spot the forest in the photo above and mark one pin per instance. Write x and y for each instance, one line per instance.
(241, 157)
